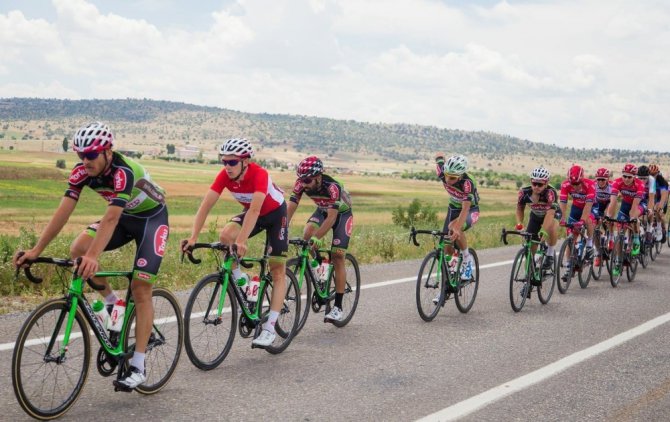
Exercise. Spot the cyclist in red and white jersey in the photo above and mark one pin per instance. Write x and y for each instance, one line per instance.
(583, 192)
(264, 209)
(631, 191)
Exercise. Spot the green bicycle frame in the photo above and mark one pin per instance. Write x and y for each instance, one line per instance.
(453, 281)
(530, 263)
(226, 271)
(304, 260)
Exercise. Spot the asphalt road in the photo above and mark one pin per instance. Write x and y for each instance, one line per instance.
(546, 363)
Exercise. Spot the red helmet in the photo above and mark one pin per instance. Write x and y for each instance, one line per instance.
(310, 167)
(653, 169)
(630, 169)
(602, 172)
(576, 174)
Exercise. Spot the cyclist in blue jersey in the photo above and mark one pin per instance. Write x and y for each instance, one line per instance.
(661, 200)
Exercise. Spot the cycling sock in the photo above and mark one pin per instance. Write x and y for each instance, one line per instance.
(138, 361)
(466, 252)
(550, 250)
(589, 243)
(111, 298)
(272, 320)
(338, 299)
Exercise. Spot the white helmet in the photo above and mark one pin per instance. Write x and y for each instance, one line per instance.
(456, 164)
(94, 136)
(238, 147)
(540, 173)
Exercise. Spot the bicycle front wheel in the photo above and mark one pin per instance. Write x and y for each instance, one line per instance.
(467, 287)
(164, 347)
(546, 289)
(208, 338)
(519, 281)
(47, 385)
(565, 266)
(286, 326)
(305, 290)
(352, 290)
(616, 261)
(429, 287)
(631, 269)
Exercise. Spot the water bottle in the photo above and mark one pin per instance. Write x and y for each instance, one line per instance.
(252, 289)
(323, 269)
(243, 281)
(118, 312)
(454, 262)
(101, 313)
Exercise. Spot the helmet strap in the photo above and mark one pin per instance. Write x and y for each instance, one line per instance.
(244, 169)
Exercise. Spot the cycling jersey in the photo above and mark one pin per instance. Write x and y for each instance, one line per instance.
(465, 189)
(661, 186)
(547, 200)
(628, 192)
(581, 194)
(330, 194)
(603, 195)
(256, 179)
(649, 188)
(125, 184)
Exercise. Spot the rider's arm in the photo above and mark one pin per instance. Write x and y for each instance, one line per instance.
(519, 214)
(205, 207)
(292, 206)
(331, 217)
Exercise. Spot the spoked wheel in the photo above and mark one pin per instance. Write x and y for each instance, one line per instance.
(519, 281)
(652, 248)
(643, 256)
(596, 267)
(565, 267)
(616, 262)
(468, 286)
(208, 337)
(631, 269)
(289, 314)
(584, 273)
(659, 247)
(549, 277)
(352, 290)
(305, 290)
(47, 385)
(165, 340)
(430, 287)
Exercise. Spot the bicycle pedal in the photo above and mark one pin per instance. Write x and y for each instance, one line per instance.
(327, 320)
(120, 387)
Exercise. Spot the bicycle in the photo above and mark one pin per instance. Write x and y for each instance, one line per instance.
(211, 311)
(55, 341)
(602, 233)
(528, 270)
(621, 252)
(318, 291)
(655, 230)
(439, 275)
(574, 245)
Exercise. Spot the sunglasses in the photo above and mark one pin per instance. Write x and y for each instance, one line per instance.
(537, 185)
(627, 177)
(306, 180)
(230, 163)
(452, 177)
(90, 156)
(602, 180)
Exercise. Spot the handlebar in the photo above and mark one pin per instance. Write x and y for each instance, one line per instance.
(299, 241)
(228, 250)
(614, 220)
(60, 262)
(413, 232)
(505, 232)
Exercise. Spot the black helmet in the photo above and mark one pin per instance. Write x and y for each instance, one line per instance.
(642, 171)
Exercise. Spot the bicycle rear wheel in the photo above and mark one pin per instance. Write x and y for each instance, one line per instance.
(616, 261)
(631, 269)
(208, 339)
(584, 273)
(286, 326)
(352, 290)
(653, 252)
(467, 289)
(46, 386)
(565, 266)
(519, 281)
(546, 289)
(164, 347)
(429, 288)
(305, 290)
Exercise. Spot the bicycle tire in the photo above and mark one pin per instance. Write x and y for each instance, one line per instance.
(584, 273)
(563, 285)
(466, 294)
(519, 281)
(659, 247)
(430, 289)
(642, 257)
(653, 249)
(546, 289)
(596, 270)
(287, 323)
(616, 261)
(198, 331)
(349, 302)
(37, 346)
(631, 269)
(167, 336)
(305, 290)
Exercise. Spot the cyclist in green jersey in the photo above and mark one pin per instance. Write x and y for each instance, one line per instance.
(136, 211)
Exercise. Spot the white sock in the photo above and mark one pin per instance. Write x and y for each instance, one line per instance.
(272, 320)
(138, 361)
(550, 250)
(111, 298)
(589, 243)
(466, 252)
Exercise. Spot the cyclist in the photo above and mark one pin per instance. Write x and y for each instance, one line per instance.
(583, 192)
(631, 190)
(333, 211)
(661, 200)
(136, 211)
(264, 209)
(463, 209)
(604, 199)
(544, 210)
(648, 199)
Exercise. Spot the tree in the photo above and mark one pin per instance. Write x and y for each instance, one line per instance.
(66, 144)
(170, 149)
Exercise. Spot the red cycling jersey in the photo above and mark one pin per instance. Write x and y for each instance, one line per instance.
(581, 194)
(628, 192)
(256, 179)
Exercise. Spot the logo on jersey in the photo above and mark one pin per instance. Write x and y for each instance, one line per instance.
(143, 276)
(160, 240)
(475, 217)
(348, 228)
(77, 175)
(334, 192)
(141, 262)
(336, 242)
(120, 181)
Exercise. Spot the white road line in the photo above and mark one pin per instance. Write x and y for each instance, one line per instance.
(493, 395)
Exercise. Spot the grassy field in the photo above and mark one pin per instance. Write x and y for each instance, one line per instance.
(31, 187)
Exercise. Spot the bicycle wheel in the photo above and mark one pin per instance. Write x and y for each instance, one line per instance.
(45, 385)
(164, 347)
(305, 290)
(565, 267)
(652, 248)
(287, 323)
(631, 269)
(643, 256)
(597, 270)
(659, 247)
(519, 281)
(352, 290)
(584, 273)
(467, 288)
(208, 339)
(546, 289)
(616, 261)
(429, 288)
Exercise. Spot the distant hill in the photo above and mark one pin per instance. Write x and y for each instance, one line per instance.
(163, 122)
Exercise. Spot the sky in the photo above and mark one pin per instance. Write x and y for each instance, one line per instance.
(575, 73)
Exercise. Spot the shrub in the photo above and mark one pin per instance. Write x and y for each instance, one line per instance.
(415, 214)
(60, 164)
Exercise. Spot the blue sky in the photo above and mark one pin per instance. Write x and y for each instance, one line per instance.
(575, 73)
